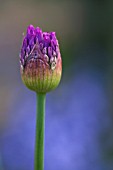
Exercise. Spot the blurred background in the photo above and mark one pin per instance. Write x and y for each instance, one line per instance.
(79, 113)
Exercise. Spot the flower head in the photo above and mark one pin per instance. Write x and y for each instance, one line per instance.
(40, 60)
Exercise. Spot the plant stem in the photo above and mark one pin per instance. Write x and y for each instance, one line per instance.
(40, 123)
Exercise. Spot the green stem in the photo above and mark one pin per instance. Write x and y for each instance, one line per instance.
(39, 145)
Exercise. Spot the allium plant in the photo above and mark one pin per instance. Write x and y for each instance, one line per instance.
(41, 69)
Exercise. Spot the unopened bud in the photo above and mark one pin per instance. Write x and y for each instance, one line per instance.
(40, 60)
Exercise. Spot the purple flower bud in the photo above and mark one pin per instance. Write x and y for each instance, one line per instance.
(54, 53)
(31, 42)
(28, 50)
(25, 43)
(30, 31)
(53, 45)
(39, 34)
(41, 46)
(44, 50)
(22, 55)
(53, 38)
(40, 60)
(50, 51)
(46, 39)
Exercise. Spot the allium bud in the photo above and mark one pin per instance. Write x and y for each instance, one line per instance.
(40, 60)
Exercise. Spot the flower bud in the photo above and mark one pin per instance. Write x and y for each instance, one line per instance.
(40, 60)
